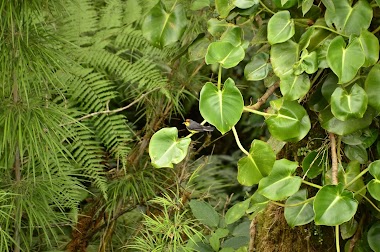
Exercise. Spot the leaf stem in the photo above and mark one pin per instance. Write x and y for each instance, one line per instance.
(293, 205)
(220, 77)
(311, 184)
(266, 8)
(238, 142)
(329, 29)
(356, 178)
(337, 238)
(370, 202)
(256, 112)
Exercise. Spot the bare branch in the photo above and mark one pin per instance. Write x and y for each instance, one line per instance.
(265, 97)
(334, 159)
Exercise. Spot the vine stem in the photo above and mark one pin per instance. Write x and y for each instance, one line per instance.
(311, 184)
(220, 77)
(328, 29)
(238, 142)
(356, 178)
(266, 8)
(337, 238)
(334, 159)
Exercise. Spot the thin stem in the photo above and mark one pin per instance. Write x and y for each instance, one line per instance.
(256, 112)
(293, 205)
(337, 238)
(356, 178)
(320, 71)
(334, 160)
(376, 30)
(220, 77)
(329, 29)
(311, 184)
(370, 202)
(238, 142)
(266, 8)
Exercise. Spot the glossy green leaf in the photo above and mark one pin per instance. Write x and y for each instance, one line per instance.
(242, 229)
(348, 228)
(336, 126)
(199, 4)
(252, 168)
(280, 183)
(225, 54)
(166, 149)
(245, 4)
(221, 108)
(352, 104)
(162, 27)
(374, 185)
(237, 211)
(217, 27)
(283, 56)
(301, 214)
(291, 121)
(233, 34)
(306, 38)
(309, 62)
(224, 7)
(372, 87)
(364, 137)
(351, 172)
(316, 101)
(258, 203)
(258, 68)
(280, 27)
(333, 205)
(370, 47)
(373, 237)
(294, 87)
(314, 163)
(343, 60)
(306, 6)
(349, 20)
(356, 152)
(215, 238)
(204, 212)
(198, 49)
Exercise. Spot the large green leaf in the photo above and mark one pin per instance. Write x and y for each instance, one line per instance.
(336, 126)
(345, 61)
(294, 87)
(352, 104)
(349, 20)
(291, 121)
(163, 28)
(204, 212)
(224, 53)
(165, 149)
(333, 205)
(364, 137)
(233, 34)
(280, 183)
(348, 228)
(198, 49)
(283, 56)
(259, 163)
(356, 152)
(370, 47)
(224, 7)
(374, 185)
(351, 172)
(236, 211)
(301, 214)
(258, 68)
(221, 108)
(372, 87)
(373, 237)
(245, 4)
(217, 27)
(280, 27)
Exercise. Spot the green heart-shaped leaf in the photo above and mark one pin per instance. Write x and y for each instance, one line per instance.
(351, 172)
(373, 237)
(245, 4)
(349, 20)
(221, 108)
(356, 152)
(224, 7)
(364, 137)
(348, 228)
(225, 54)
(336, 126)
(374, 185)
(252, 168)
(291, 121)
(280, 27)
(346, 105)
(372, 87)
(204, 212)
(164, 28)
(199, 4)
(370, 47)
(258, 68)
(301, 214)
(165, 149)
(236, 211)
(233, 34)
(294, 87)
(333, 205)
(309, 62)
(198, 49)
(283, 56)
(345, 61)
(217, 27)
(280, 183)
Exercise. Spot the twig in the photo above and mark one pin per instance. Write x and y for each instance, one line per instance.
(252, 235)
(334, 159)
(265, 97)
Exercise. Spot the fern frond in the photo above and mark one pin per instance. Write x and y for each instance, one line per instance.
(111, 14)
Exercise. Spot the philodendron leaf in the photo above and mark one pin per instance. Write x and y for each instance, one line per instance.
(224, 53)
(294, 87)
(163, 28)
(372, 87)
(370, 47)
(258, 68)
(280, 27)
(217, 27)
(373, 237)
(280, 183)
(283, 56)
(348, 228)
(291, 121)
(352, 170)
(356, 152)
(204, 212)
(221, 108)
(352, 104)
(233, 34)
(245, 4)
(374, 185)
(333, 205)
(236, 211)
(224, 7)
(165, 149)
(300, 214)
(259, 163)
(345, 61)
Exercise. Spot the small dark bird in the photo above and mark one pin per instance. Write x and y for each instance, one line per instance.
(195, 127)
